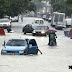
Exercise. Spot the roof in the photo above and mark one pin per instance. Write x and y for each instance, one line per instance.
(38, 19)
(17, 39)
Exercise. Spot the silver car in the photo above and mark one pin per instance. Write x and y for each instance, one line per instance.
(40, 30)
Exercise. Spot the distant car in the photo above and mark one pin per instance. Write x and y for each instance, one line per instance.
(5, 23)
(27, 29)
(60, 25)
(44, 17)
(40, 30)
(20, 47)
(49, 19)
(38, 21)
(14, 19)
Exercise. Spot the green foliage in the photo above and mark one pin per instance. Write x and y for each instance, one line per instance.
(69, 3)
(15, 7)
(32, 7)
(60, 6)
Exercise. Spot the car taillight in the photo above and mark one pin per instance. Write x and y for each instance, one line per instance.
(66, 22)
(24, 51)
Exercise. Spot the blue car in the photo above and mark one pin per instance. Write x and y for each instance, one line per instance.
(20, 47)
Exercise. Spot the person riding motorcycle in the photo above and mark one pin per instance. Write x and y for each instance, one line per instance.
(52, 37)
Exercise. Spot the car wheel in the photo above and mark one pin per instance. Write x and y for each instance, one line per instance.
(17, 21)
(24, 32)
(33, 34)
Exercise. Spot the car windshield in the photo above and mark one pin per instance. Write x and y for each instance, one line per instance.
(4, 20)
(39, 21)
(41, 28)
(16, 43)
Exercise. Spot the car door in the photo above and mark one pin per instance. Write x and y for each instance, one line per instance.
(28, 28)
(33, 48)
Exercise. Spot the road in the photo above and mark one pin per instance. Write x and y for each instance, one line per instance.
(54, 59)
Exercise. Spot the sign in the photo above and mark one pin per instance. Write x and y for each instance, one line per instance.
(2, 31)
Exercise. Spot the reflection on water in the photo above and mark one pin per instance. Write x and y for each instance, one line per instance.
(42, 38)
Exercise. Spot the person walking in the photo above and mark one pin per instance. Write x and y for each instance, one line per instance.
(21, 18)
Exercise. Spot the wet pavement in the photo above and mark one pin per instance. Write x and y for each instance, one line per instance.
(54, 58)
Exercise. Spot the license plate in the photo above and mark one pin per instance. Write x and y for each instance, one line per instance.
(12, 53)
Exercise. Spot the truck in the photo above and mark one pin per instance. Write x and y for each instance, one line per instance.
(57, 17)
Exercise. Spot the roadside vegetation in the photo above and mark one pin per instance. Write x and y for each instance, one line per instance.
(15, 7)
(64, 6)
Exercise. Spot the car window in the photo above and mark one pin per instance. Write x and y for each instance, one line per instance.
(3, 20)
(37, 21)
(28, 26)
(16, 43)
(41, 22)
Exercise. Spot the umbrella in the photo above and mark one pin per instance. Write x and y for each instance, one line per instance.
(51, 31)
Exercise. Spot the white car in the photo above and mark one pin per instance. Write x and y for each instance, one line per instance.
(5, 23)
(14, 19)
(60, 25)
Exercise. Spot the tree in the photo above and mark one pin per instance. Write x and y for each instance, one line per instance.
(15, 7)
(31, 7)
(60, 6)
(69, 3)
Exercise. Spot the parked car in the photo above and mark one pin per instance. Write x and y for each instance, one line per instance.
(14, 19)
(60, 25)
(40, 30)
(5, 23)
(27, 29)
(20, 47)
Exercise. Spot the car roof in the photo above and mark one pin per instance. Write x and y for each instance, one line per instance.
(38, 19)
(17, 39)
(42, 26)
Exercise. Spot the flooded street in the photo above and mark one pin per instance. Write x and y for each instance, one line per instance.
(54, 58)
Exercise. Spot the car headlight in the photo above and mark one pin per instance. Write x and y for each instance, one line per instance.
(21, 51)
(34, 32)
(3, 51)
(43, 32)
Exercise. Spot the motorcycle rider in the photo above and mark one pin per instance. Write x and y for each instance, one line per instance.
(52, 36)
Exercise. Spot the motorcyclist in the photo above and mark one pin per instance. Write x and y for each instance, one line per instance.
(52, 36)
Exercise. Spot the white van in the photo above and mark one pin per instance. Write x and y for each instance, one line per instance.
(37, 22)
